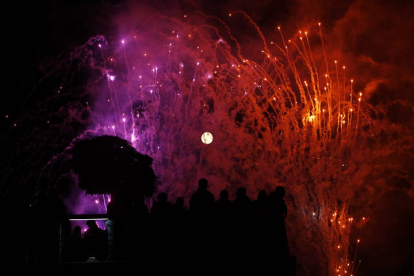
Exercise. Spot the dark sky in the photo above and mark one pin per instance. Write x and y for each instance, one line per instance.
(374, 36)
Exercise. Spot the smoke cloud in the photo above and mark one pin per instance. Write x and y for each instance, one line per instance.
(371, 38)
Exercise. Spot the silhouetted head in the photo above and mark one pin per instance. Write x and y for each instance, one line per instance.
(241, 192)
(162, 197)
(91, 224)
(261, 196)
(179, 202)
(224, 194)
(77, 231)
(202, 184)
(280, 191)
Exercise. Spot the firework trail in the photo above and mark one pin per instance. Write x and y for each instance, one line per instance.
(291, 118)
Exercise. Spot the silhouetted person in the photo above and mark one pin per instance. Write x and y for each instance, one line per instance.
(201, 208)
(222, 223)
(261, 204)
(260, 207)
(202, 201)
(223, 205)
(139, 208)
(179, 211)
(261, 225)
(277, 202)
(140, 228)
(179, 228)
(161, 208)
(242, 212)
(93, 233)
(278, 214)
(77, 233)
(242, 203)
(118, 228)
(74, 246)
(161, 212)
(94, 240)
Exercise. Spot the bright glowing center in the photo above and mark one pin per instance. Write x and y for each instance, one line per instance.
(207, 138)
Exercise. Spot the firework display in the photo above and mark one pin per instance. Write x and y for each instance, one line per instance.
(290, 116)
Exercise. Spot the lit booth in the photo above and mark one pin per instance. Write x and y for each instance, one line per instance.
(87, 240)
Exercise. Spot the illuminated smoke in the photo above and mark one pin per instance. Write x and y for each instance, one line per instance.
(291, 117)
(293, 120)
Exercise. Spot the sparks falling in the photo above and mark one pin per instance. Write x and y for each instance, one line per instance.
(291, 117)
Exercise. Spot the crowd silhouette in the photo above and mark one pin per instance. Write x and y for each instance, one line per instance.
(220, 230)
(209, 231)
(236, 230)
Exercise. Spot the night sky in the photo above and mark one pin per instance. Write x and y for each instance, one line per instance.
(374, 37)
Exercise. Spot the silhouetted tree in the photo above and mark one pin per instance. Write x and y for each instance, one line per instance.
(111, 165)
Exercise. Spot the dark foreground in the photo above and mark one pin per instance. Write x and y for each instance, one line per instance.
(283, 266)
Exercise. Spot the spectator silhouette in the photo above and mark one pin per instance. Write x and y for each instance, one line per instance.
(223, 205)
(161, 208)
(242, 203)
(179, 228)
(179, 211)
(140, 228)
(201, 207)
(278, 214)
(277, 203)
(261, 225)
(139, 208)
(223, 222)
(74, 246)
(93, 233)
(242, 226)
(202, 201)
(161, 223)
(260, 205)
(95, 240)
(118, 228)
(77, 233)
